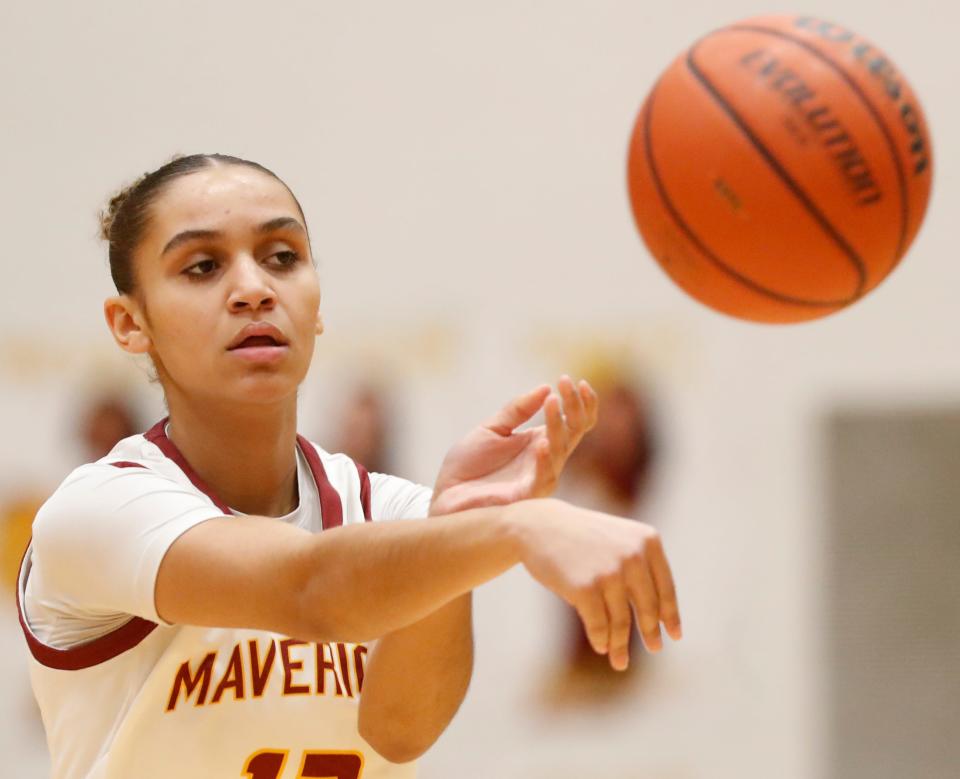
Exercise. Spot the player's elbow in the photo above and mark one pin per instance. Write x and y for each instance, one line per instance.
(397, 728)
(394, 744)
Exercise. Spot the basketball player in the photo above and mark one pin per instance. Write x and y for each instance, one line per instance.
(203, 601)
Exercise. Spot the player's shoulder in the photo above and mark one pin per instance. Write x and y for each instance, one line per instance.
(134, 455)
(133, 465)
(133, 452)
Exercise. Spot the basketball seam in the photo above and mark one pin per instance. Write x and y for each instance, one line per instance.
(782, 173)
(695, 239)
(891, 145)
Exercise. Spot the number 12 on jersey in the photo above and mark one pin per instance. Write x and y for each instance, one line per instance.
(269, 764)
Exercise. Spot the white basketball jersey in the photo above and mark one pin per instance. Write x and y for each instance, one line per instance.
(150, 700)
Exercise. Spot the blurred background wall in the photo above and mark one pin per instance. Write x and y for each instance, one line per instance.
(462, 169)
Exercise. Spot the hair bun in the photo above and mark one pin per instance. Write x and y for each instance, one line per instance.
(108, 215)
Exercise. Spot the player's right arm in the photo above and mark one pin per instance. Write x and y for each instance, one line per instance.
(360, 582)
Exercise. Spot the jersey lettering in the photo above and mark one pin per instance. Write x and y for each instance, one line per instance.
(191, 682)
(232, 679)
(337, 669)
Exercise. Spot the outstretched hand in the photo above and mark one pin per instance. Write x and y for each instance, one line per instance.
(496, 464)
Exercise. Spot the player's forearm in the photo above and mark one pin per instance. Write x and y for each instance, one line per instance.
(415, 681)
(362, 582)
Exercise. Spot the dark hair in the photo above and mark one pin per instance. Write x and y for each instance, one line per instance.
(124, 220)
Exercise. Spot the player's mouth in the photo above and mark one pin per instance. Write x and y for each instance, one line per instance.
(259, 342)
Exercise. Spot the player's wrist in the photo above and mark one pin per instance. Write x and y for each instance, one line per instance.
(522, 523)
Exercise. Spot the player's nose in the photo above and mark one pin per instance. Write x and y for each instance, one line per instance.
(251, 287)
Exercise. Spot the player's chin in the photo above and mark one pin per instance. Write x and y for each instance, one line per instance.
(264, 387)
(265, 383)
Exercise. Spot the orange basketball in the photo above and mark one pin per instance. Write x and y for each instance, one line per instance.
(780, 168)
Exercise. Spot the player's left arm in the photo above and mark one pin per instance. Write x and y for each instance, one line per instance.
(417, 676)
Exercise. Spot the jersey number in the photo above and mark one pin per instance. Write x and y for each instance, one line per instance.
(269, 764)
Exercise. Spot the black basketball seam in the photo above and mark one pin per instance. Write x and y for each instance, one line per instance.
(695, 239)
(888, 137)
(785, 177)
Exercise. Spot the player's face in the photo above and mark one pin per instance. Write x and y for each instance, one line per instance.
(228, 288)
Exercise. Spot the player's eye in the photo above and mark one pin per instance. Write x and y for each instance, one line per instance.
(201, 269)
(284, 259)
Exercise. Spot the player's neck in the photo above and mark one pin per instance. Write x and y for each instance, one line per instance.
(246, 454)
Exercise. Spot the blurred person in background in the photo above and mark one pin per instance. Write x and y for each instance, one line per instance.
(106, 421)
(363, 428)
(611, 472)
(166, 582)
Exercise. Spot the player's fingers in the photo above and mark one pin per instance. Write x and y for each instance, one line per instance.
(666, 590)
(544, 478)
(573, 409)
(593, 614)
(557, 433)
(591, 403)
(618, 611)
(518, 410)
(643, 594)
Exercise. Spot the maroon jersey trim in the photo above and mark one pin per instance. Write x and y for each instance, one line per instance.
(157, 435)
(364, 491)
(94, 652)
(331, 510)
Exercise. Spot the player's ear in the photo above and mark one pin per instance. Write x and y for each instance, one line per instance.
(319, 323)
(127, 324)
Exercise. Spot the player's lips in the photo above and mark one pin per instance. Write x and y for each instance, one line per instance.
(257, 334)
(259, 342)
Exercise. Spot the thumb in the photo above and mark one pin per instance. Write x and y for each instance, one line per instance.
(518, 411)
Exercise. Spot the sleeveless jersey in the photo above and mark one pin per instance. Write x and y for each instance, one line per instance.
(148, 699)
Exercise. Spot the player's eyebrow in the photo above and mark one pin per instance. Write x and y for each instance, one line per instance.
(281, 222)
(189, 235)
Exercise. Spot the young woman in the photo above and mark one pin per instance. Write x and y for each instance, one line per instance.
(202, 601)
